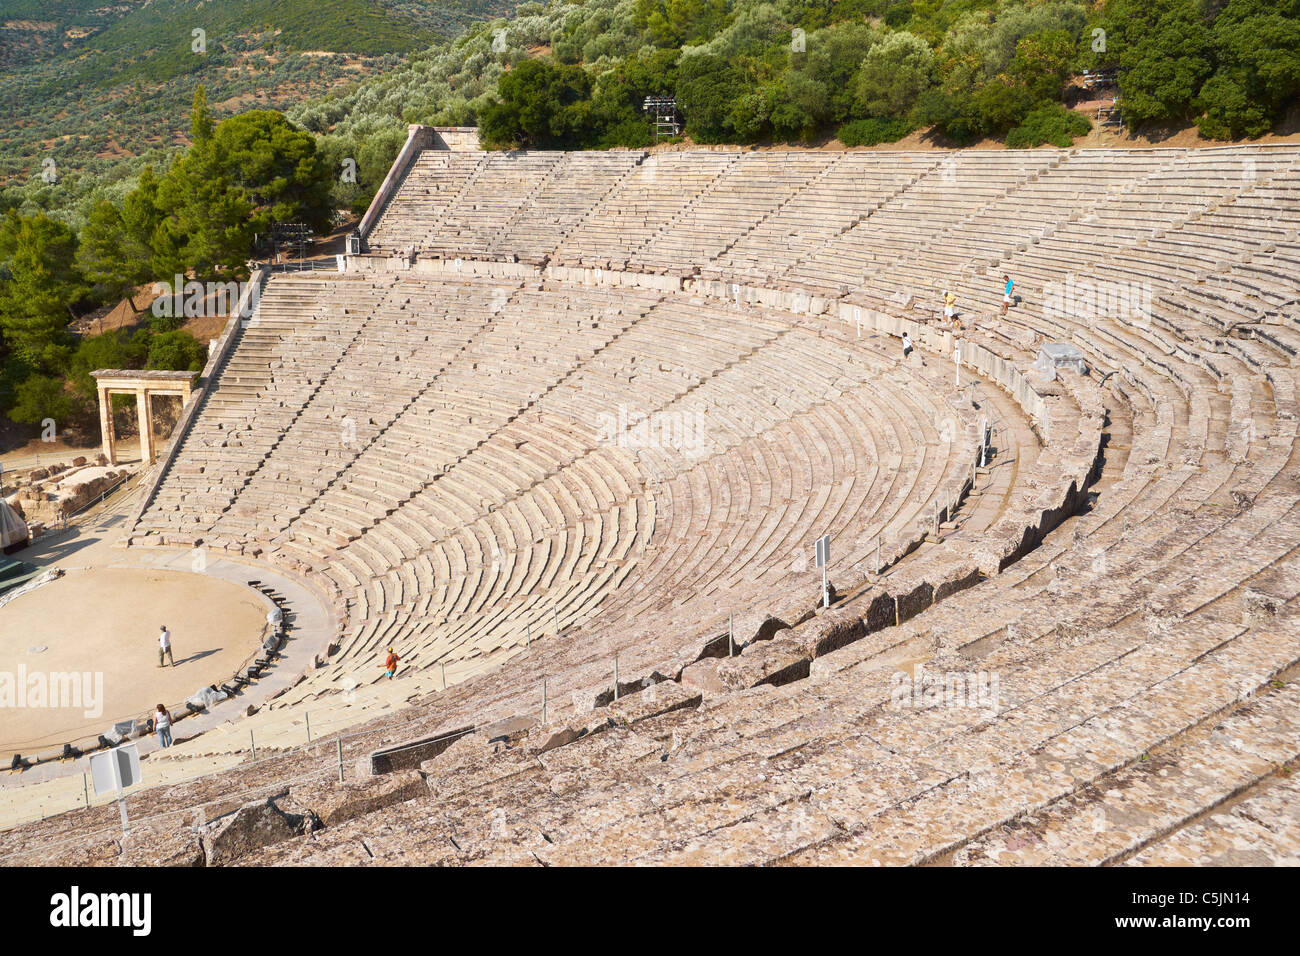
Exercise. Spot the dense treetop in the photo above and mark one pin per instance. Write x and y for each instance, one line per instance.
(196, 218)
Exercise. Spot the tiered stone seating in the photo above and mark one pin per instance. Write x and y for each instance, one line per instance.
(299, 333)
(750, 190)
(851, 187)
(1108, 604)
(405, 349)
(575, 184)
(431, 188)
(645, 202)
(960, 186)
(1035, 209)
(456, 524)
(503, 184)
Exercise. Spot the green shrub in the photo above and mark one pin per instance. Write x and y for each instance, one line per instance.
(1048, 124)
(898, 14)
(542, 105)
(955, 115)
(894, 73)
(40, 397)
(114, 349)
(872, 132)
(632, 133)
(177, 351)
(160, 324)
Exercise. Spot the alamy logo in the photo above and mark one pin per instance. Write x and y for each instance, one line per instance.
(928, 689)
(53, 690)
(193, 299)
(75, 909)
(682, 431)
(1102, 299)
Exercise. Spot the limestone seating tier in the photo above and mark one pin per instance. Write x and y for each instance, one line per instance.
(1125, 570)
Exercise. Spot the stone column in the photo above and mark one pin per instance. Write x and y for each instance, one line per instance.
(142, 405)
(106, 434)
(148, 417)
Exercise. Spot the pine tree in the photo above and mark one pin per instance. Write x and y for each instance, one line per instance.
(207, 229)
(140, 221)
(200, 117)
(35, 304)
(99, 253)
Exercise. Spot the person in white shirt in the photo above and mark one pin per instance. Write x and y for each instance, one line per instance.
(165, 646)
(162, 725)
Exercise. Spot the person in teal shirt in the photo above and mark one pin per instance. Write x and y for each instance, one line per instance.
(1006, 296)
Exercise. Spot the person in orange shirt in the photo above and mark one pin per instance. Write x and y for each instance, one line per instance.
(390, 664)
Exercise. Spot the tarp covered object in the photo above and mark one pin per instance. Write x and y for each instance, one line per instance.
(13, 530)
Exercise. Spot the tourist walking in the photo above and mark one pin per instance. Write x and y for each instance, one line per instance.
(390, 664)
(1006, 294)
(907, 347)
(162, 725)
(165, 646)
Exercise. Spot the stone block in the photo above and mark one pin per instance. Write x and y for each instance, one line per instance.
(334, 802)
(661, 698)
(253, 826)
(702, 676)
(772, 662)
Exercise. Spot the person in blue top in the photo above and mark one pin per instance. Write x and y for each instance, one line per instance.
(1006, 295)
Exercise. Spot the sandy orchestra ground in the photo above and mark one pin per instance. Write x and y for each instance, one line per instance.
(105, 621)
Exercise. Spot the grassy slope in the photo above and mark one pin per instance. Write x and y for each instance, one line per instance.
(124, 88)
(154, 43)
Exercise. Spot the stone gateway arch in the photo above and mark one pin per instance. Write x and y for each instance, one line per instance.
(144, 385)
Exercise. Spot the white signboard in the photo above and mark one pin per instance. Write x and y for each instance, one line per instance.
(114, 770)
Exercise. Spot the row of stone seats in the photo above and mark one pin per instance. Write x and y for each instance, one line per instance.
(275, 371)
(1124, 211)
(446, 427)
(850, 187)
(957, 188)
(1151, 218)
(457, 571)
(949, 814)
(576, 184)
(430, 187)
(1071, 190)
(1164, 609)
(742, 195)
(509, 204)
(646, 202)
(586, 849)
(296, 729)
(406, 345)
(504, 184)
(401, 579)
(819, 486)
(1183, 485)
(681, 202)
